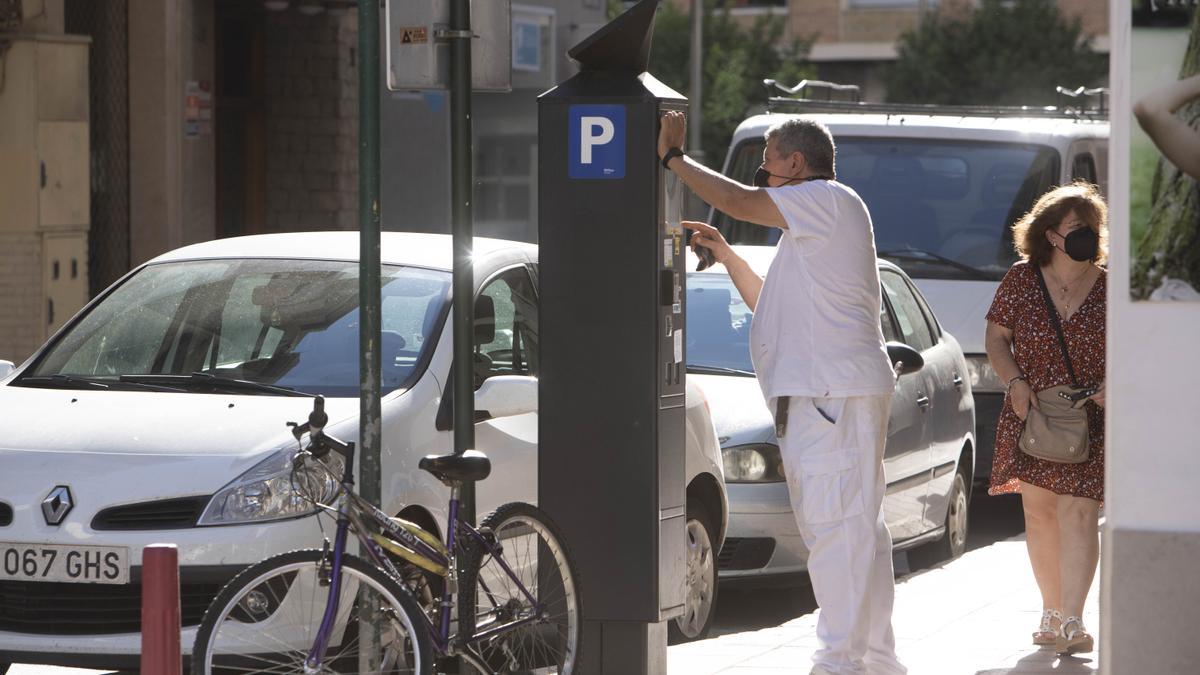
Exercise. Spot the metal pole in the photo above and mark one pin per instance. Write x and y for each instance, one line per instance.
(369, 365)
(369, 324)
(462, 217)
(695, 116)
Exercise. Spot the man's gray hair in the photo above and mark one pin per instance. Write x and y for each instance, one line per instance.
(809, 138)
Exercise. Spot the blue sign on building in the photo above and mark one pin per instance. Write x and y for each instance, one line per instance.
(596, 141)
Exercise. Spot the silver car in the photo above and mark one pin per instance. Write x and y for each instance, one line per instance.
(930, 446)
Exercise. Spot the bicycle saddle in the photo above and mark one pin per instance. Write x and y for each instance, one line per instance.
(472, 465)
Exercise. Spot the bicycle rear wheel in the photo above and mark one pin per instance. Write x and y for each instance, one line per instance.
(267, 618)
(533, 548)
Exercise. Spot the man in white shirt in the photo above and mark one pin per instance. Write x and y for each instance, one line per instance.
(819, 354)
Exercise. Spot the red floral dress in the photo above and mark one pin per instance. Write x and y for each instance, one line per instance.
(1020, 306)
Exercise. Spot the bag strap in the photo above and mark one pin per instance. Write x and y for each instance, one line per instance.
(1062, 342)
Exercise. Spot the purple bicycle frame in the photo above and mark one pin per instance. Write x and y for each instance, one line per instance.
(441, 636)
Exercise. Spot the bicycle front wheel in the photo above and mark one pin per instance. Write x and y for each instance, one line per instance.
(511, 632)
(267, 619)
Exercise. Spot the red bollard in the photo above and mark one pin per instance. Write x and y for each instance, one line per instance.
(160, 610)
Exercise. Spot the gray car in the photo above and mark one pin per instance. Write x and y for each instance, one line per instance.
(930, 446)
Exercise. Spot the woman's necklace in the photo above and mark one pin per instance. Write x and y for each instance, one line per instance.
(1065, 288)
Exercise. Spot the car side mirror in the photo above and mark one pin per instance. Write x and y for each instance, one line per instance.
(506, 396)
(6, 368)
(904, 359)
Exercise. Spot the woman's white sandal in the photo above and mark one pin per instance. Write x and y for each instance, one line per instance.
(1047, 632)
(1073, 638)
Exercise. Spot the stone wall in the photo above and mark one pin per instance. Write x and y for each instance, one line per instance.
(312, 122)
(21, 297)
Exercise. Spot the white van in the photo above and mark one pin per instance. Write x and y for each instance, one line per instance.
(943, 186)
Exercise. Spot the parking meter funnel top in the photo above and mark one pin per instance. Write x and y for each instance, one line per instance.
(622, 45)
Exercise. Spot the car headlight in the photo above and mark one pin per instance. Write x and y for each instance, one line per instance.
(268, 491)
(983, 378)
(757, 463)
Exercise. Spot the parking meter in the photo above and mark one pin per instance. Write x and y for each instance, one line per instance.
(611, 399)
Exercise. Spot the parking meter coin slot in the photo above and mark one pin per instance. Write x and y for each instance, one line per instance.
(666, 288)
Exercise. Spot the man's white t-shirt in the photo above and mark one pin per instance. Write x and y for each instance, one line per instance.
(816, 329)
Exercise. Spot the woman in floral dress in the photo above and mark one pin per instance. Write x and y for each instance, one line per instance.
(1065, 236)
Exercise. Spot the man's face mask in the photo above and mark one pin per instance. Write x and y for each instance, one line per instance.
(1082, 244)
(761, 176)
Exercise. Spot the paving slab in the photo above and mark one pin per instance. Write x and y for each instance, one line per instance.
(972, 616)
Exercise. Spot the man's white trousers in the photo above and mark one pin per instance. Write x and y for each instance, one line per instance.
(833, 457)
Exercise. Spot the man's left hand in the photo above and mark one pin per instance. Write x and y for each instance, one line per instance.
(672, 132)
(709, 237)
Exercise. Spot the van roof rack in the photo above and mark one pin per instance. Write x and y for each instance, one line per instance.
(819, 96)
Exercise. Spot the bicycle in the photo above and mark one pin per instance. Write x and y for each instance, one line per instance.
(511, 581)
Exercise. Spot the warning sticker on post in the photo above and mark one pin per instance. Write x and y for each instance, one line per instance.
(414, 35)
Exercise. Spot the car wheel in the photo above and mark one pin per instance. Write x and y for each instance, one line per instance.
(700, 584)
(954, 542)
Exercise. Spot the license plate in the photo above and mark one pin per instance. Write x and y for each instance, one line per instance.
(51, 562)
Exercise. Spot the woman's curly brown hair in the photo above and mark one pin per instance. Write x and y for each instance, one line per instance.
(1029, 233)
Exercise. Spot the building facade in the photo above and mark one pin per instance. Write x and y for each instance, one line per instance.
(218, 118)
(855, 40)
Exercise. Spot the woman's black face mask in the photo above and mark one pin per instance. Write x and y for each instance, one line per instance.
(1082, 244)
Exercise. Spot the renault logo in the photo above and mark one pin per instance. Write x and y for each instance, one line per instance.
(57, 505)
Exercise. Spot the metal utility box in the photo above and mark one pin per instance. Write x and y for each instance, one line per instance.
(611, 429)
(418, 49)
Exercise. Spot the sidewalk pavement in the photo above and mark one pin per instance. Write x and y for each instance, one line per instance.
(972, 616)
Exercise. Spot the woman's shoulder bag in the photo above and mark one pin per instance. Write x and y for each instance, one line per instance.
(1057, 430)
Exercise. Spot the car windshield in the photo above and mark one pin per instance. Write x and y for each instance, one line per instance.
(940, 209)
(718, 326)
(292, 324)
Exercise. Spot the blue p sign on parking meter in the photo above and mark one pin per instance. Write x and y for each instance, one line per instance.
(596, 141)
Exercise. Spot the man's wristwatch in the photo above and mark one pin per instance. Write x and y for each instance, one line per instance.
(672, 153)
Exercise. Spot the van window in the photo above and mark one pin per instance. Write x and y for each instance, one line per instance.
(941, 209)
(1084, 168)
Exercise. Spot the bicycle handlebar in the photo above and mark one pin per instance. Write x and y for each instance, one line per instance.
(317, 419)
(320, 442)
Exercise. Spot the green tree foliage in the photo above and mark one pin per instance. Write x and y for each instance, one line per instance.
(1170, 247)
(1004, 53)
(736, 61)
